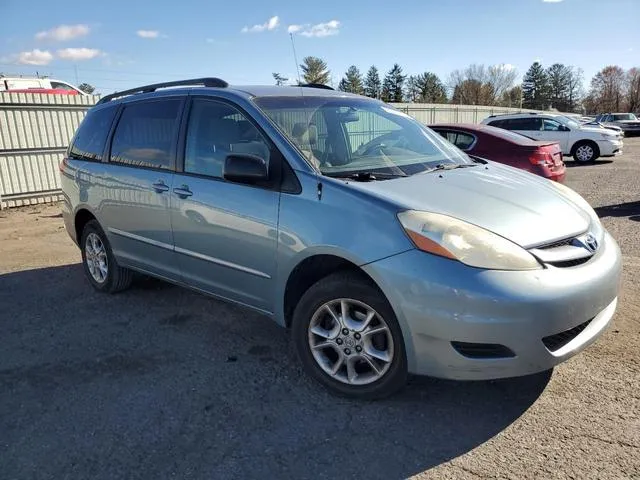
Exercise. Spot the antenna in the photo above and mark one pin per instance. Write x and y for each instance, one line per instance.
(295, 57)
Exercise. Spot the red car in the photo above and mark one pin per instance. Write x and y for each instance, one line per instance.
(543, 158)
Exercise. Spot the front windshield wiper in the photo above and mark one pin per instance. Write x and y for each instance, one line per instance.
(365, 176)
(449, 166)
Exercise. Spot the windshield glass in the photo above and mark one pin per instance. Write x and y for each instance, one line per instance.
(344, 136)
(624, 116)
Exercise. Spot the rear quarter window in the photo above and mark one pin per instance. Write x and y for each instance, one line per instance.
(88, 143)
(462, 140)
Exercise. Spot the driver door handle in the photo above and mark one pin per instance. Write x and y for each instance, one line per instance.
(183, 191)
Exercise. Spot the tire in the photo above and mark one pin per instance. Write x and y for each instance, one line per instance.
(100, 266)
(359, 375)
(586, 151)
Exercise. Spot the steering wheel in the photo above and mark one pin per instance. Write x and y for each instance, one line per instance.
(371, 148)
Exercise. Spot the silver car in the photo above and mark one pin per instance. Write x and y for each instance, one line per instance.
(384, 248)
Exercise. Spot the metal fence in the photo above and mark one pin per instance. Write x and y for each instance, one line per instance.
(35, 130)
(446, 113)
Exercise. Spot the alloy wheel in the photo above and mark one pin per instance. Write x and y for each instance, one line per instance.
(350, 341)
(96, 258)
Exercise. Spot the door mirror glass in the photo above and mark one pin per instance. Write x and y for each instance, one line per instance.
(245, 168)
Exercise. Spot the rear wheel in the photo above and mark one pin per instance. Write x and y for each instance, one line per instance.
(348, 339)
(585, 152)
(100, 266)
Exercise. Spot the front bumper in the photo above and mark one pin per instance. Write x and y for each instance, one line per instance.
(439, 301)
(609, 148)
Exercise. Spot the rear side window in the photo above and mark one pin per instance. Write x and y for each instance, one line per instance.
(523, 124)
(146, 134)
(89, 141)
(497, 123)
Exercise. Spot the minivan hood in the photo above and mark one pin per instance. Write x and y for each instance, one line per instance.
(517, 205)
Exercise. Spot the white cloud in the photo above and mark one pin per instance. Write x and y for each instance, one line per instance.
(271, 24)
(506, 66)
(78, 54)
(34, 57)
(327, 29)
(148, 33)
(62, 33)
(552, 1)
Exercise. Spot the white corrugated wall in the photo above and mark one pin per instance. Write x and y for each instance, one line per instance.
(35, 130)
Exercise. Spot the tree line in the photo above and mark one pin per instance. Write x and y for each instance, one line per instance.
(559, 87)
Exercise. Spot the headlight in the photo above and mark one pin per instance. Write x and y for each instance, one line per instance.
(474, 246)
(607, 136)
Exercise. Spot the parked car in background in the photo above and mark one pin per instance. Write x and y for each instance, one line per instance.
(628, 122)
(584, 143)
(541, 157)
(45, 91)
(382, 259)
(610, 127)
(37, 85)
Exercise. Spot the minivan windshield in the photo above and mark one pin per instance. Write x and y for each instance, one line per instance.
(348, 136)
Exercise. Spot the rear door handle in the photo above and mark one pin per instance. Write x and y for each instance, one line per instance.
(183, 191)
(160, 186)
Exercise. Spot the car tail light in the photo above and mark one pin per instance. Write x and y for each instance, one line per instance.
(541, 157)
(62, 164)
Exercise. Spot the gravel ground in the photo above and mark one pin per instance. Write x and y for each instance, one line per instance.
(159, 382)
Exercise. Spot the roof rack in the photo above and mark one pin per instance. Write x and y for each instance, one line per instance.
(205, 82)
(316, 85)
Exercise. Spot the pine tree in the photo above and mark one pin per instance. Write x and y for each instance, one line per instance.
(559, 78)
(372, 86)
(535, 88)
(393, 84)
(352, 81)
(429, 88)
(315, 70)
(280, 79)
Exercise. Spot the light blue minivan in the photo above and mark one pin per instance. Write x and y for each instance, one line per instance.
(384, 248)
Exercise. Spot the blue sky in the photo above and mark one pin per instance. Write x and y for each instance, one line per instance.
(114, 46)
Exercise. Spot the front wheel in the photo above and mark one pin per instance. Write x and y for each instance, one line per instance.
(348, 339)
(585, 152)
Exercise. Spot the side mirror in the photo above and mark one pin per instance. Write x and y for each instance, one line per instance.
(564, 128)
(245, 168)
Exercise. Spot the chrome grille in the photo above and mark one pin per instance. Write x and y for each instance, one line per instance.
(568, 252)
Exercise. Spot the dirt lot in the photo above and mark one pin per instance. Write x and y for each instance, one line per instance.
(159, 382)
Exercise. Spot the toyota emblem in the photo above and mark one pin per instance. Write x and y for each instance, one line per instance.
(590, 242)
